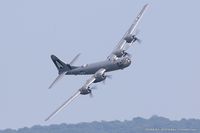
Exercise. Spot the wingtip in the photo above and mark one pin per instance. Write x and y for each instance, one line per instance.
(46, 119)
(49, 87)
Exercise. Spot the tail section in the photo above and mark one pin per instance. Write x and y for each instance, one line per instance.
(62, 68)
(60, 65)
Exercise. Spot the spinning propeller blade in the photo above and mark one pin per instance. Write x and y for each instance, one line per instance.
(107, 76)
(92, 88)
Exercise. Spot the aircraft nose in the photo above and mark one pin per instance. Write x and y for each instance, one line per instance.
(127, 62)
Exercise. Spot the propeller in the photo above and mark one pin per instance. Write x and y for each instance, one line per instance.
(91, 95)
(129, 55)
(107, 76)
(92, 88)
(137, 39)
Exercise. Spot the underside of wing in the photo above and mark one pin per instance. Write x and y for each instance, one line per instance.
(130, 36)
(84, 90)
(63, 105)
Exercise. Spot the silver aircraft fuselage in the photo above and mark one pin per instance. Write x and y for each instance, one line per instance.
(109, 65)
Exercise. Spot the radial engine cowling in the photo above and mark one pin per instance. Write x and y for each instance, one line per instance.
(85, 91)
(100, 75)
(120, 53)
(130, 38)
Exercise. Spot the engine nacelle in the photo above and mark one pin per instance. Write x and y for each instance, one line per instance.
(100, 75)
(130, 38)
(85, 91)
(120, 53)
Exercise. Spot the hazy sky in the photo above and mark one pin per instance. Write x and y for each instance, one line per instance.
(164, 78)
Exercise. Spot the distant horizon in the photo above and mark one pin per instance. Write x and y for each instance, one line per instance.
(152, 117)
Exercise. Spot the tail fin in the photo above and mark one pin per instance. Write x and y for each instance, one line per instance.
(60, 65)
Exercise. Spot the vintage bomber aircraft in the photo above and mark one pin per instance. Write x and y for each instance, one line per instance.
(118, 59)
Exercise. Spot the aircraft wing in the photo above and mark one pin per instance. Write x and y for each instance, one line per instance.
(85, 86)
(89, 82)
(131, 31)
(63, 105)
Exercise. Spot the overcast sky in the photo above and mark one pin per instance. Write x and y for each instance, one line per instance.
(164, 78)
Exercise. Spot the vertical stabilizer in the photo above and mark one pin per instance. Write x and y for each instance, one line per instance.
(60, 65)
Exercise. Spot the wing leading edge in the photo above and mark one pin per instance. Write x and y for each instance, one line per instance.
(85, 89)
(129, 36)
(63, 105)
